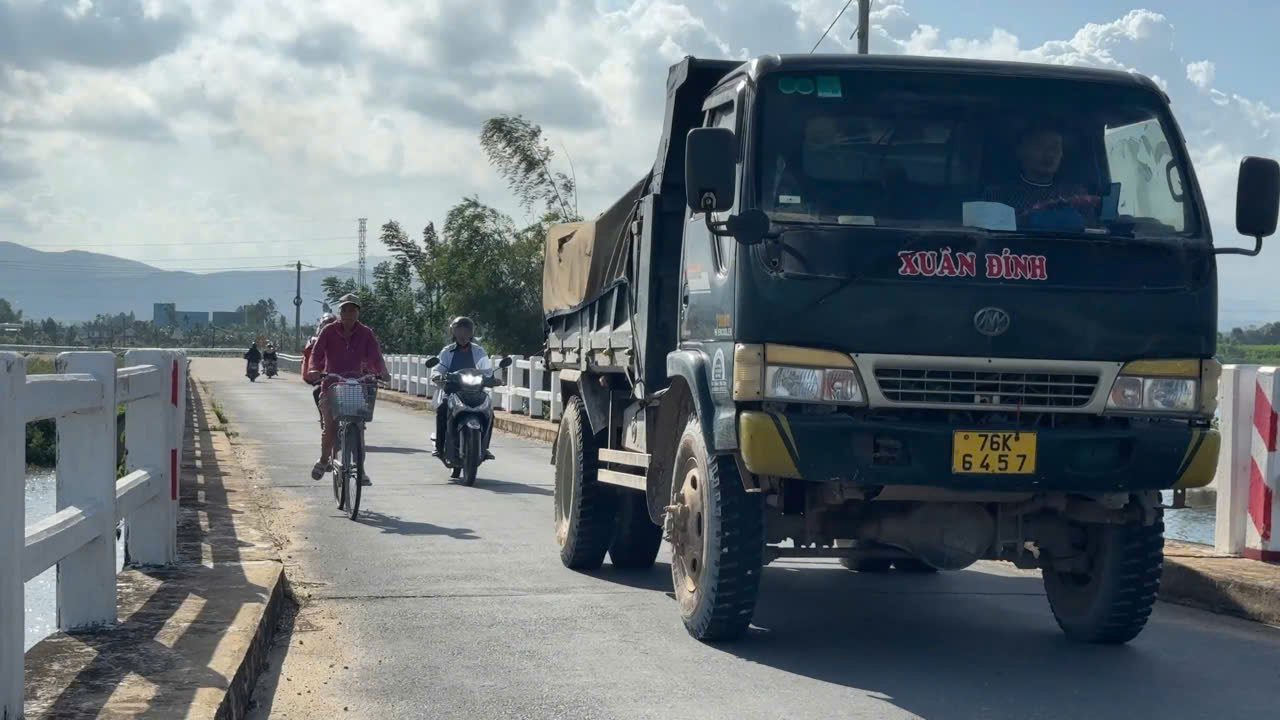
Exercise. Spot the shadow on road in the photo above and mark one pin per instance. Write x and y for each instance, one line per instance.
(392, 525)
(504, 487)
(394, 450)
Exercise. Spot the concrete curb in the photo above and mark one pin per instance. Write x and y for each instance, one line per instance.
(236, 703)
(1197, 577)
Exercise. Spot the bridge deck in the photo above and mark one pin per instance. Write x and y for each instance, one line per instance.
(445, 601)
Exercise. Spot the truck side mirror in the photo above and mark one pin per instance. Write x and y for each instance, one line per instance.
(432, 362)
(1257, 201)
(710, 161)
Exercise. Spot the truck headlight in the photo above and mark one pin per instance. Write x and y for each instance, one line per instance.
(1165, 386)
(795, 375)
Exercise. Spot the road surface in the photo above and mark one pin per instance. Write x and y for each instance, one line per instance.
(450, 602)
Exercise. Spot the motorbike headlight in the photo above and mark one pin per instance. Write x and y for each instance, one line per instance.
(472, 380)
(1163, 386)
(792, 374)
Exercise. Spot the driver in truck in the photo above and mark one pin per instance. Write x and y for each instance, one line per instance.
(1038, 188)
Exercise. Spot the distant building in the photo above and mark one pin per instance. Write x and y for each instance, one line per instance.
(165, 315)
(228, 319)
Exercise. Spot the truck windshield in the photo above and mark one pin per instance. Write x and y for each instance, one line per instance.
(940, 151)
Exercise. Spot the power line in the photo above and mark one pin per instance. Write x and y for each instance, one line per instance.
(77, 246)
(833, 24)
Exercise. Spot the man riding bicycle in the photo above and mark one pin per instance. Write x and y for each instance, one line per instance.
(347, 347)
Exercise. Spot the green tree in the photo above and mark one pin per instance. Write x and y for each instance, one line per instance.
(522, 156)
(8, 314)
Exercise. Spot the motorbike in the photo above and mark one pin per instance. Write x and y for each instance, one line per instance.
(469, 410)
(250, 368)
(269, 368)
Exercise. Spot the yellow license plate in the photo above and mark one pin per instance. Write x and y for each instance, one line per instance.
(975, 452)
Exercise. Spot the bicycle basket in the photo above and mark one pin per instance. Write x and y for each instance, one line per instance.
(353, 401)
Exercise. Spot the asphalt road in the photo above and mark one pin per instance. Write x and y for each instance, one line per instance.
(444, 601)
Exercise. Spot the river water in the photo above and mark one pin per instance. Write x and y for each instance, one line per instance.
(41, 601)
(41, 606)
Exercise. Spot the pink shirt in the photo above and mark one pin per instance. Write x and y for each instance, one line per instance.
(336, 353)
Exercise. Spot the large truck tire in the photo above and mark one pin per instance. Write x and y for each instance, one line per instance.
(717, 534)
(1111, 604)
(636, 540)
(584, 508)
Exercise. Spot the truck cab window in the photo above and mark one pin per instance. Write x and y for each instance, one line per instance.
(999, 153)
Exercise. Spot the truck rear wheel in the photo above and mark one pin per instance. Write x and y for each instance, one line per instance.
(636, 539)
(1111, 603)
(717, 535)
(584, 508)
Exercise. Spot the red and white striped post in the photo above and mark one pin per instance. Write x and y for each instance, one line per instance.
(1261, 542)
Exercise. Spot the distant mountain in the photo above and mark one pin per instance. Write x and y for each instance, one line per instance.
(74, 286)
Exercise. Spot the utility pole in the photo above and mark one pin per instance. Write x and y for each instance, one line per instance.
(362, 251)
(864, 26)
(297, 311)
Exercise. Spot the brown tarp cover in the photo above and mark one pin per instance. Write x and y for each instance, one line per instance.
(583, 258)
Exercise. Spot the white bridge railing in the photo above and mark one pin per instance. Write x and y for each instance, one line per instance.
(531, 389)
(79, 538)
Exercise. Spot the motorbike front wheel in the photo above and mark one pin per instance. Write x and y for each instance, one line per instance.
(471, 455)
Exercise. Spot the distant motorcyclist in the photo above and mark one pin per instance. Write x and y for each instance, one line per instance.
(253, 356)
(460, 355)
(270, 354)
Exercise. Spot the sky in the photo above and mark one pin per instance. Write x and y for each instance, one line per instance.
(211, 134)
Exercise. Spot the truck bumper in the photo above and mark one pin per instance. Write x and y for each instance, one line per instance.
(840, 447)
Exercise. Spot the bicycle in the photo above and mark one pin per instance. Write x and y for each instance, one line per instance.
(351, 400)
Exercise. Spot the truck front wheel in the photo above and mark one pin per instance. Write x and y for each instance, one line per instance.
(716, 531)
(584, 508)
(1110, 603)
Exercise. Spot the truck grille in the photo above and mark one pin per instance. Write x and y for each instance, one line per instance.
(1002, 388)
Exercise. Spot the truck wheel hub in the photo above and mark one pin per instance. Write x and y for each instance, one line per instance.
(685, 525)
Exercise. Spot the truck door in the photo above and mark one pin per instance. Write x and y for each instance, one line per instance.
(706, 311)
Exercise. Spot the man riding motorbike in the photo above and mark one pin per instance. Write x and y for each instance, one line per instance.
(325, 320)
(253, 357)
(270, 360)
(347, 347)
(460, 355)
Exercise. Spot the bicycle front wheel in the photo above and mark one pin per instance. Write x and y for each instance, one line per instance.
(352, 466)
(338, 486)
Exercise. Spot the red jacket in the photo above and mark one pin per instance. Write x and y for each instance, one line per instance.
(336, 353)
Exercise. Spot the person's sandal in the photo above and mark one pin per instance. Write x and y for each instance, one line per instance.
(319, 469)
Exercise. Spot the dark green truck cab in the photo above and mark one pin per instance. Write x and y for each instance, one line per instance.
(905, 312)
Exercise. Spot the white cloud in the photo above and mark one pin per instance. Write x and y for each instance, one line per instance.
(1201, 74)
(196, 122)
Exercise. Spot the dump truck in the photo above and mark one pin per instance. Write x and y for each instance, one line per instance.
(909, 313)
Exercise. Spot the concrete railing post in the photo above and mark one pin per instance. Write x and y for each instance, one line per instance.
(557, 403)
(519, 379)
(13, 381)
(413, 375)
(152, 538)
(1238, 388)
(86, 478)
(424, 377)
(1260, 542)
(536, 373)
(402, 384)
